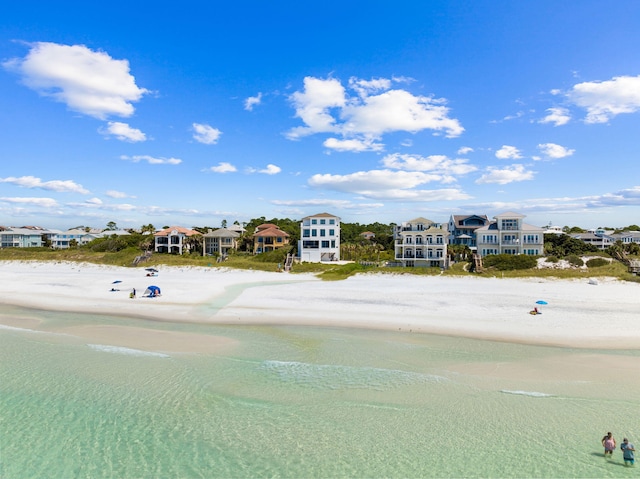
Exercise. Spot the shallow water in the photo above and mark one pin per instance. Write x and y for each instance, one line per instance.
(306, 402)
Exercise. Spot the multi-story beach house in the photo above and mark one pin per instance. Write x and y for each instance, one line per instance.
(73, 236)
(509, 234)
(268, 237)
(462, 229)
(21, 238)
(219, 242)
(319, 238)
(174, 239)
(421, 242)
(599, 238)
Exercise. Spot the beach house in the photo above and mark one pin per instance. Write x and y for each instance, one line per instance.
(219, 242)
(421, 242)
(268, 237)
(462, 229)
(175, 240)
(319, 238)
(21, 237)
(509, 234)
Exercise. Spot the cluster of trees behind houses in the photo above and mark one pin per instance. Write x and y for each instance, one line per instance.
(379, 248)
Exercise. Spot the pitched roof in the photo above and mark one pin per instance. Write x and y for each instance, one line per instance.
(272, 231)
(222, 233)
(320, 215)
(179, 229)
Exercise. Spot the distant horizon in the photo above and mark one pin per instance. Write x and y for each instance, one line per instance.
(374, 111)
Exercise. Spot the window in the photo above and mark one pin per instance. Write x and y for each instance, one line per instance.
(333, 243)
(323, 222)
(314, 232)
(322, 232)
(314, 222)
(325, 244)
(306, 233)
(332, 232)
(510, 225)
(310, 244)
(332, 222)
(279, 239)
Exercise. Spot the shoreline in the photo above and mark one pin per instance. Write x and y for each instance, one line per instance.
(578, 314)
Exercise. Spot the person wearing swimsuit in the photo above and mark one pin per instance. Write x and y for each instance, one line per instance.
(609, 444)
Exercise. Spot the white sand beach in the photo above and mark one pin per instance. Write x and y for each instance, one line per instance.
(578, 314)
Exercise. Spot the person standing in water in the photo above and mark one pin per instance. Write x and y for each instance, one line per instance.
(609, 444)
(627, 452)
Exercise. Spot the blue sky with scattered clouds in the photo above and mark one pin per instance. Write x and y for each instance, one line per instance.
(191, 114)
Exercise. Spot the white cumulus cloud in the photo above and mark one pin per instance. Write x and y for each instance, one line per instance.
(604, 100)
(269, 170)
(508, 153)
(440, 164)
(354, 145)
(252, 101)
(87, 81)
(551, 150)
(206, 134)
(503, 176)
(223, 167)
(123, 132)
(61, 186)
(556, 115)
(374, 109)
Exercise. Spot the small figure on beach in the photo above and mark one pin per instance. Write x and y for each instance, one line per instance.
(627, 452)
(133, 293)
(609, 444)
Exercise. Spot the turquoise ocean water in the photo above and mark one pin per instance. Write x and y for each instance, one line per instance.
(306, 402)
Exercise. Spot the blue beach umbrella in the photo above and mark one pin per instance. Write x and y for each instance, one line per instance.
(541, 302)
(116, 281)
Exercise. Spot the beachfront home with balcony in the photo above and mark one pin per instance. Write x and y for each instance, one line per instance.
(319, 238)
(174, 239)
(77, 236)
(421, 243)
(268, 237)
(462, 229)
(219, 242)
(509, 234)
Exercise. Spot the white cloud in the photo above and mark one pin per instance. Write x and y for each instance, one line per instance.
(123, 132)
(436, 163)
(152, 160)
(206, 134)
(353, 145)
(252, 101)
(87, 81)
(464, 150)
(508, 153)
(606, 99)
(503, 176)
(269, 170)
(117, 194)
(552, 150)
(61, 186)
(326, 202)
(325, 107)
(223, 167)
(387, 184)
(42, 202)
(558, 116)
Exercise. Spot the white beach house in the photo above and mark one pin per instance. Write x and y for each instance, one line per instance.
(319, 238)
(509, 234)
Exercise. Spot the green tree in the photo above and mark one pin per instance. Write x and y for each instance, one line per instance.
(111, 226)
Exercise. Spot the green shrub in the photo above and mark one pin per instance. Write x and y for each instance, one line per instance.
(575, 260)
(552, 259)
(597, 262)
(508, 262)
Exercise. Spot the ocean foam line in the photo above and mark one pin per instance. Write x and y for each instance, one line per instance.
(534, 394)
(327, 376)
(128, 351)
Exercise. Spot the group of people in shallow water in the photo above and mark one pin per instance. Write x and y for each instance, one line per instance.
(609, 443)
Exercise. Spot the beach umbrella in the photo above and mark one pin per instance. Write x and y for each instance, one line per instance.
(541, 302)
(151, 270)
(116, 281)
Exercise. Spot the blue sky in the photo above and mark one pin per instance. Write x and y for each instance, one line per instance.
(150, 112)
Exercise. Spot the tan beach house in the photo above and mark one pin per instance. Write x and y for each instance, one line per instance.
(268, 237)
(421, 242)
